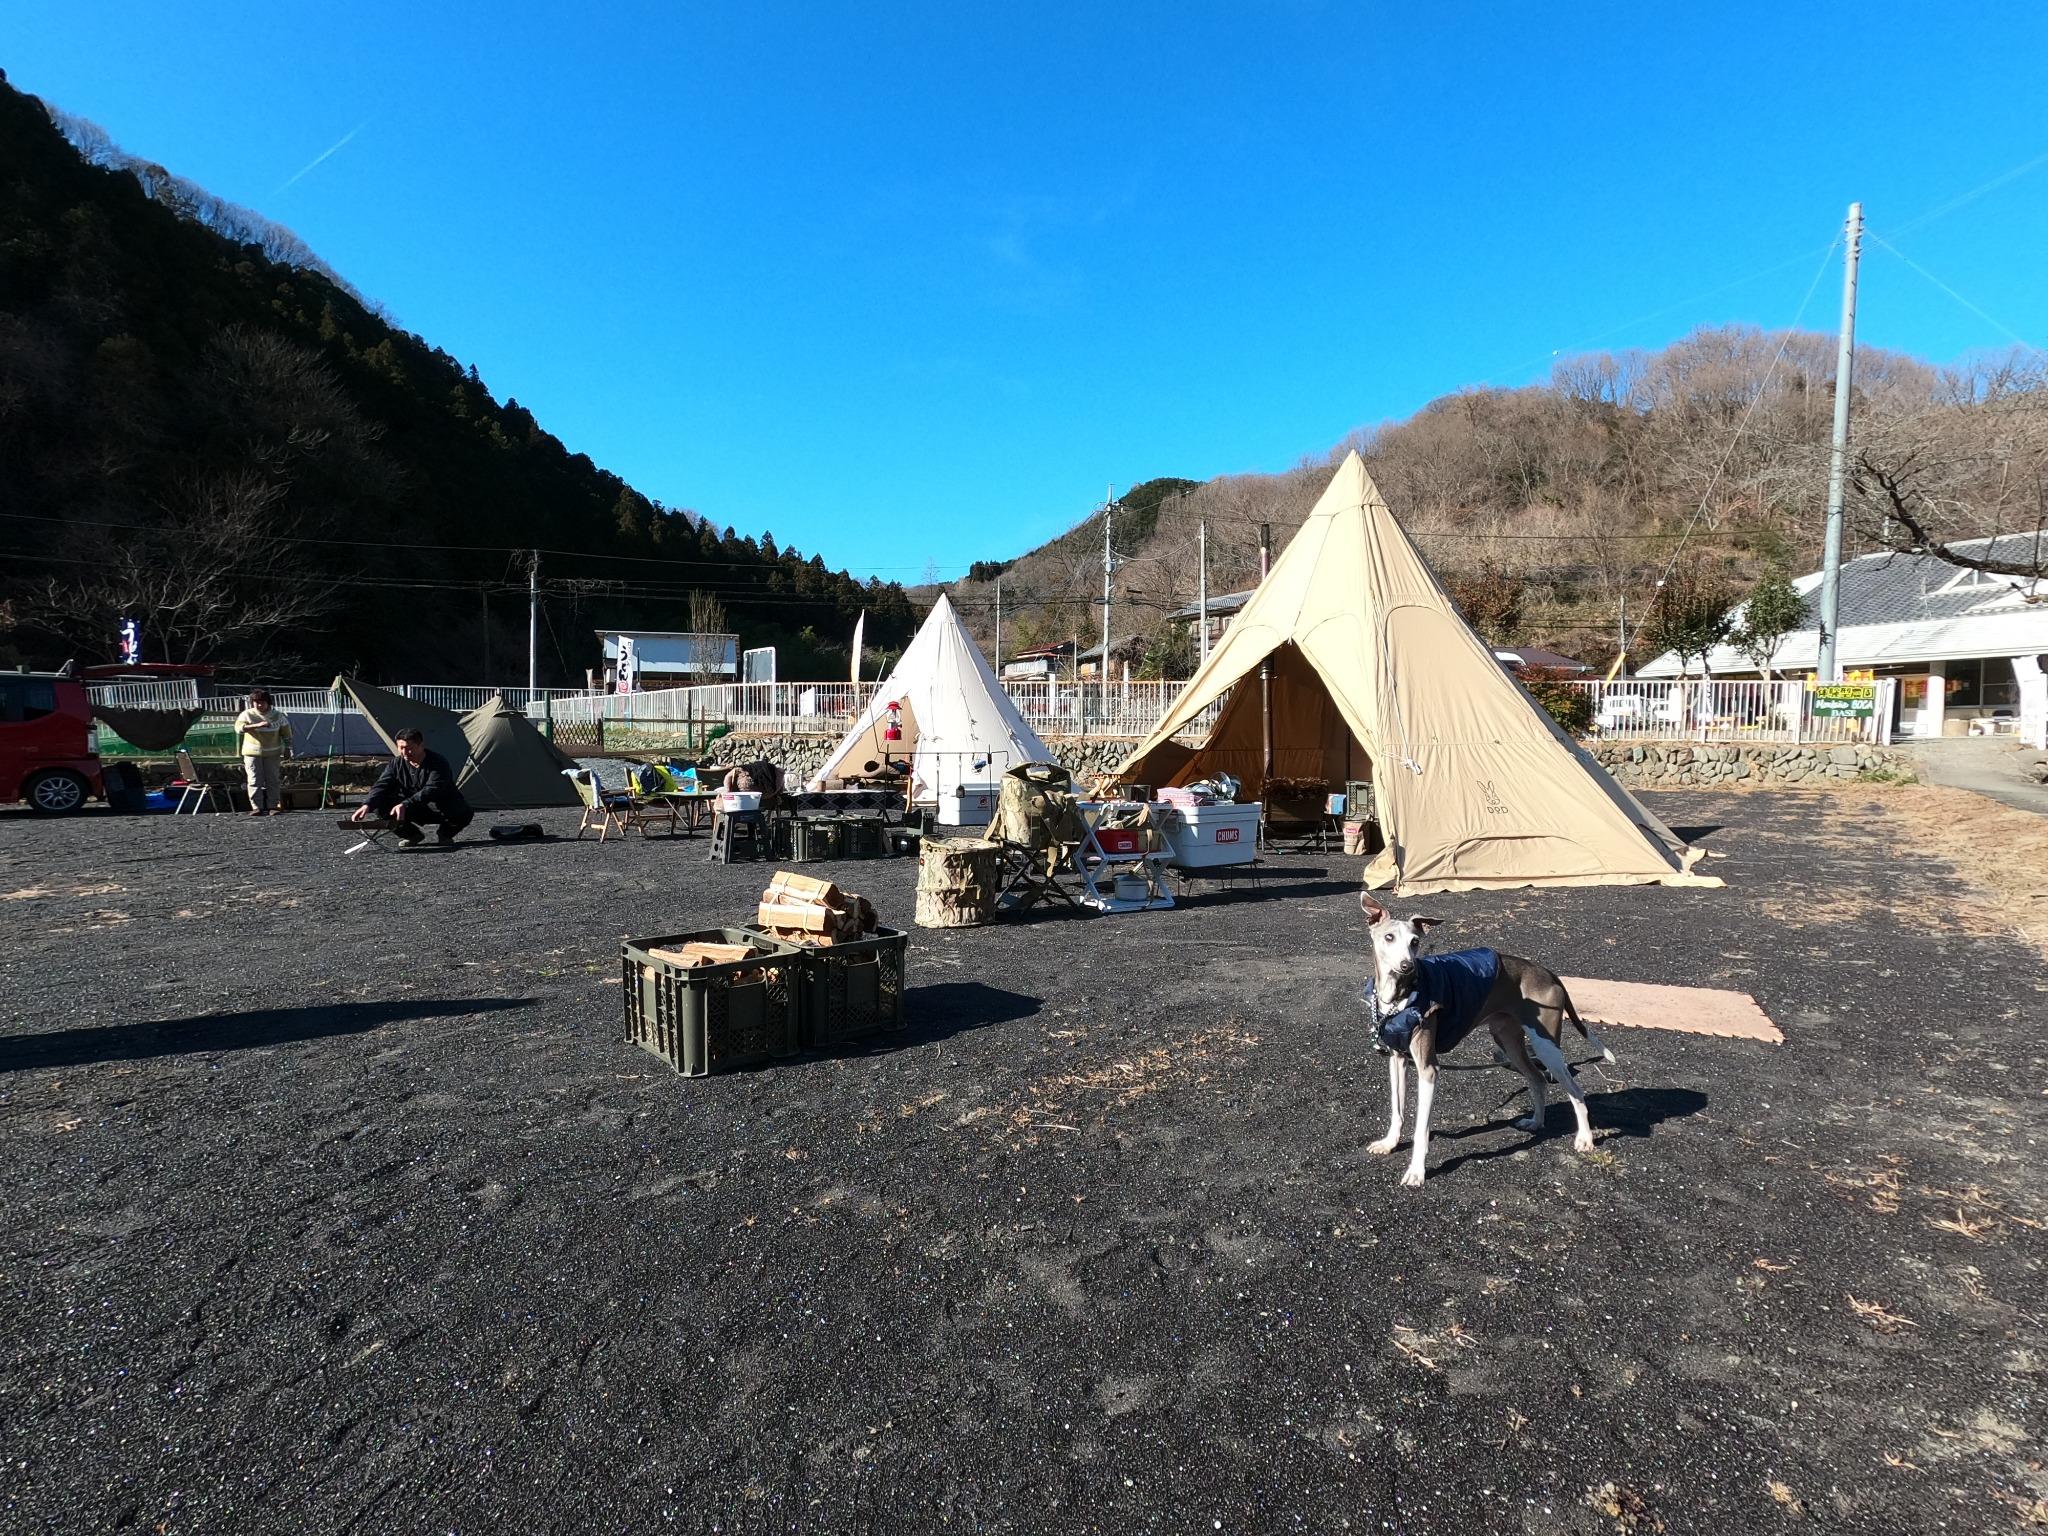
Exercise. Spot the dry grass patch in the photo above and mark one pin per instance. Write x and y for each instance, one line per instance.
(2001, 852)
(1875, 1316)
(1131, 1078)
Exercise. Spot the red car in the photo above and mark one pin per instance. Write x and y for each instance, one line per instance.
(49, 746)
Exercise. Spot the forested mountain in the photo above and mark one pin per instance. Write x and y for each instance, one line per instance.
(202, 427)
(1547, 510)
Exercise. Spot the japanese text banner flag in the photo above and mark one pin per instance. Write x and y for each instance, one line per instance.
(859, 627)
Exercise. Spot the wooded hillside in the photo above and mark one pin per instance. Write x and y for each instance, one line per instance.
(202, 427)
(1546, 508)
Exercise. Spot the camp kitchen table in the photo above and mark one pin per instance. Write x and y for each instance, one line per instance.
(1099, 868)
(693, 805)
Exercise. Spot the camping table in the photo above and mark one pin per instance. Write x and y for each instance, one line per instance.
(1094, 865)
(692, 805)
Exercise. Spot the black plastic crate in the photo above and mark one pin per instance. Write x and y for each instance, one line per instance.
(713, 1018)
(850, 990)
(861, 838)
(813, 839)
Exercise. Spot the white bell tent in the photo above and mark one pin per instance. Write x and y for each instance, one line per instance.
(941, 712)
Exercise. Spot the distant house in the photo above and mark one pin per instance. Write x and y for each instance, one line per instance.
(1040, 661)
(1124, 655)
(1519, 658)
(1223, 607)
(1965, 646)
(670, 658)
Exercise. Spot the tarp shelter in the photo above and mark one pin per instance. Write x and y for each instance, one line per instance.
(500, 758)
(1375, 676)
(957, 724)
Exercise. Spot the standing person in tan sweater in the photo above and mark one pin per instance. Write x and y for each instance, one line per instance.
(266, 736)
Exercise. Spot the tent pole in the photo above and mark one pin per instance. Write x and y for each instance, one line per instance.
(1265, 670)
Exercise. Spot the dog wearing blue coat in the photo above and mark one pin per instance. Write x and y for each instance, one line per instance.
(1423, 1005)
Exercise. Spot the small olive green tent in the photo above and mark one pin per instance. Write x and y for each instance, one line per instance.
(510, 762)
(500, 758)
(1373, 674)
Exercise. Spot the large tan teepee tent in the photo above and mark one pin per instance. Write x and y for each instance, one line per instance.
(956, 726)
(1374, 675)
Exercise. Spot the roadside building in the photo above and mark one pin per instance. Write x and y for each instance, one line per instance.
(671, 658)
(1968, 649)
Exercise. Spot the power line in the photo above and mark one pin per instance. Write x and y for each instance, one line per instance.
(671, 563)
(1763, 388)
(1944, 287)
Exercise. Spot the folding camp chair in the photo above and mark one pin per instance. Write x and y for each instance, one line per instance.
(1039, 830)
(200, 787)
(613, 810)
(656, 786)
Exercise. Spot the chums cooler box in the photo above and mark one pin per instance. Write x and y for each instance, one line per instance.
(1210, 836)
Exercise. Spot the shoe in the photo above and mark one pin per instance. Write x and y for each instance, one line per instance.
(409, 834)
(275, 810)
(444, 837)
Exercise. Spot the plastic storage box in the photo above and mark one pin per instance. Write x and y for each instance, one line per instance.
(1211, 836)
(814, 838)
(861, 838)
(739, 800)
(849, 990)
(969, 805)
(712, 1018)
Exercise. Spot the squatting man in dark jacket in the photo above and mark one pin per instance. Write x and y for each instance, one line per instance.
(417, 789)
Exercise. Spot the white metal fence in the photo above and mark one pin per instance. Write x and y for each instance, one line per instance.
(1698, 709)
(163, 693)
(184, 693)
(1051, 707)
(1631, 709)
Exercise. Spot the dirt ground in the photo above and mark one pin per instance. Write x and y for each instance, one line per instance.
(334, 1201)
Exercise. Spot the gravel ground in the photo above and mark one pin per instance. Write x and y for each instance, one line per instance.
(334, 1201)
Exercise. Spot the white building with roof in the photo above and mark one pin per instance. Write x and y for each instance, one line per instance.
(665, 658)
(1968, 648)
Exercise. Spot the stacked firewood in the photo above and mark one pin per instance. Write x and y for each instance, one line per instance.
(800, 910)
(699, 952)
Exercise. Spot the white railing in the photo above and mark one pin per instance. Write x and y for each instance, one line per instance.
(1699, 709)
(1087, 707)
(160, 693)
(318, 701)
(1052, 707)
(776, 709)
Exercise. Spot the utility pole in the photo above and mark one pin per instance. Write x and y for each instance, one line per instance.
(1830, 670)
(533, 624)
(1108, 565)
(1621, 650)
(1266, 666)
(999, 626)
(1202, 586)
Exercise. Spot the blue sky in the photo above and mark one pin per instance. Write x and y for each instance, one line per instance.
(917, 281)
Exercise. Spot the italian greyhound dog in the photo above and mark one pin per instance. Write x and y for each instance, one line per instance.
(1422, 1006)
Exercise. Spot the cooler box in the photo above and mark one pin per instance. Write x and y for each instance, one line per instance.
(969, 805)
(1209, 836)
(1118, 840)
(730, 800)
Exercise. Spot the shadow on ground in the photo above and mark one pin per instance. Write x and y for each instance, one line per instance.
(947, 1008)
(1634, 1112)
(230, 1031)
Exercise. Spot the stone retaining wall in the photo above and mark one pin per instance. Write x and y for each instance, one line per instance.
(1639, 765)
(1676, 764)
